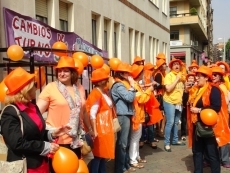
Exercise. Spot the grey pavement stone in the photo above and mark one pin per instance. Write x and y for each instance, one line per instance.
(159, 161)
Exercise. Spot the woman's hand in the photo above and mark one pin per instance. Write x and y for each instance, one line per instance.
(53, 148)
(95, 134)
(61, 131)
(195, 110)
(92, 134)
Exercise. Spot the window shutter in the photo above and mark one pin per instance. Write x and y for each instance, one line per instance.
(41, 8)
(63, 11)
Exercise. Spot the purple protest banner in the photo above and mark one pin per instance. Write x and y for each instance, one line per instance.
(28, 32)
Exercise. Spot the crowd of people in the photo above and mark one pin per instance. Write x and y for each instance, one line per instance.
(148, 100)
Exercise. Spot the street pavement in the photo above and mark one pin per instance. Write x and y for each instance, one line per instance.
(159, 161)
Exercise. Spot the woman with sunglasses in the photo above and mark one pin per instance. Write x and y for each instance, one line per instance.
(208, 96)
(26, 138)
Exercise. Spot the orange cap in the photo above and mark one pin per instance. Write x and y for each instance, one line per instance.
(99, 75)
(138, 59)
(161, 56)
(123, 67)
(217, 69)
(149, 66)
(136, 70)
(17, 80)
(225, 64)
(205, 70)
(160, 62)
(174, 60)
(190, 74)
(66, 62)
(194, 64)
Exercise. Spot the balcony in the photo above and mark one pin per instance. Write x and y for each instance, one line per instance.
(192, 20)
(191, 2)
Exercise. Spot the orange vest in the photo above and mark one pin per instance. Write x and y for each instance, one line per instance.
(104, 143)
(221, 129)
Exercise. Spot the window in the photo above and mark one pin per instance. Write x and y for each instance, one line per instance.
(155, 2)
(164, 6)
(174, 35)
(41, 18)
(115, 44)
(41, 10)
(63, 25)
(105, 36)
(63, 16)
(173, 11)
(94, 36)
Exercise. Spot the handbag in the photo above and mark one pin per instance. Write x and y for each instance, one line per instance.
(18, 166)
(116, 124)
(203, 130)
(87, 146)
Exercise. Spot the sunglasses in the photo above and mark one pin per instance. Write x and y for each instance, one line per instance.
(214, 74)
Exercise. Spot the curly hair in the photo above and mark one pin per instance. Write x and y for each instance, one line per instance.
(22, 96)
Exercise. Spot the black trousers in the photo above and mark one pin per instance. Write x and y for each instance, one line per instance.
(77, 151)
(200, 145)
(184, 122)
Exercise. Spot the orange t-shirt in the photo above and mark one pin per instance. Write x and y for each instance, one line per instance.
(58, 108)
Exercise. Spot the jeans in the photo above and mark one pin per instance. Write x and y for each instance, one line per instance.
(200, 145)
(172, 119)
(97, 165)
(148, 133)
(224, 154)
(121, 149)
(134, 145)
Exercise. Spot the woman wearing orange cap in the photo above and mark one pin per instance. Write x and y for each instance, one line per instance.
(193, 67)
(159, 78)
(190, 82)
(225, 68)
(123, 94)
(208, 96)
(217, 79)
(63, 101)
(99, 107)
(25, 134)
(139, 116)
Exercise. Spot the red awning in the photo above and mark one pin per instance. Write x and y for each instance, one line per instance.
(177, 53)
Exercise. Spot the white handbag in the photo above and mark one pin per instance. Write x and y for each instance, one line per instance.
(18, 166)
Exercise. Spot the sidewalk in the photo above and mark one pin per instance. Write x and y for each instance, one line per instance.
(158, 161)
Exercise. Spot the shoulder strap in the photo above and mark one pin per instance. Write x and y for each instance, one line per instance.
(18, 113)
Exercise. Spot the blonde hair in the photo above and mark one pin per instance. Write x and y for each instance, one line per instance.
(22, 96)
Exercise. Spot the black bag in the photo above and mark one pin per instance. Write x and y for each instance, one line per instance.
(203, 130)
(147, 117)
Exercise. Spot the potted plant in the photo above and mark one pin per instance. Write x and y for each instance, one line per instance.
(193, 11)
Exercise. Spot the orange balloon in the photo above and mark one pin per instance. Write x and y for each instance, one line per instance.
(43, 77)
(3, 90)
(208, 117)
(96, 61)
(65, 161)
(15, 52)
(81, 57)
(107, 69)
(60, 45)
(82, 167)
(79, 65)
(113, 63)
